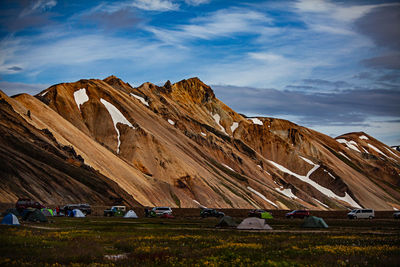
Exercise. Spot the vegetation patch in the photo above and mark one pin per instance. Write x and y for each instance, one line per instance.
(97, 241)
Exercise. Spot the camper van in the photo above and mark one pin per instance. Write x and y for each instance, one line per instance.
(361, 214)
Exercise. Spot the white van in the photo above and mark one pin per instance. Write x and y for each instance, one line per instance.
(361, 214)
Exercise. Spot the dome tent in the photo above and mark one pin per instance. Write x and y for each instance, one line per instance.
(254, 223)
(78, 213)
(314, 222)
(130, 214)
(10, 219)
(227, 221)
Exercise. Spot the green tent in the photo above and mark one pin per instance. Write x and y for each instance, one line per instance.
(47, 212)
(314, 222)
(266, 215)
(119, 213)
(33, 216)
(227, 221)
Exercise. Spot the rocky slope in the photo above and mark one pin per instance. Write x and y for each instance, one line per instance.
(178, 145)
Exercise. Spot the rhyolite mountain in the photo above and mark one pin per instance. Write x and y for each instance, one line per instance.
(178, 145)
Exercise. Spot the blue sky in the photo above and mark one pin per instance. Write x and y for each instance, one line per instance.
(333, 66)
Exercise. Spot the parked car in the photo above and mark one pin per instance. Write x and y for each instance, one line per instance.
(256, 213)
(396, 215)
(161, 210)
(298, 214)
(211, 213)
(361, 214)
(24, 203)
(85, 208)
(115, 211)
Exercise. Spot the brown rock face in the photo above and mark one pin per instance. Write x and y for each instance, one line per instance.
(178, 145)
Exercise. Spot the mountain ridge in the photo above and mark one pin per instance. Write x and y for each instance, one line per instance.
(185, 148)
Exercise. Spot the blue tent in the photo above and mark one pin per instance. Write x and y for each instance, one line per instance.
(10, 219)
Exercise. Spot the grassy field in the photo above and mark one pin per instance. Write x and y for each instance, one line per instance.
(98, 241)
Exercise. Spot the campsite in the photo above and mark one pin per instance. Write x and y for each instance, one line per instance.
(192, 240)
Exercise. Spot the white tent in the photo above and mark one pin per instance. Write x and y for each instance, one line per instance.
(254, 223)
(131, 214)
(78, 213)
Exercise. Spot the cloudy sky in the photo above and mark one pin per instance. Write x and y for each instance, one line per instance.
(333, 66)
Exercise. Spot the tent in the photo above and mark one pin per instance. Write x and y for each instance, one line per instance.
(10, 219)
(314, 222)
(254, 223)
(131, 214)
(226, 221)
(47, 212)
(78, 213)
(266, 215)
(118, 213)
(33, 215)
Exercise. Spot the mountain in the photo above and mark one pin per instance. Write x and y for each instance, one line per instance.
(178, 145)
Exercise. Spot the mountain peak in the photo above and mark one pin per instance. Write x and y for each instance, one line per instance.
(194, 88)
(117, 83)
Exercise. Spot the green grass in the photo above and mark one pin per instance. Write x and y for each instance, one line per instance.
(195, 241)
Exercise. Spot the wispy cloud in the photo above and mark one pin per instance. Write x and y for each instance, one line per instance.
(220, 24)
(197, 2)
(330, 17)
(37, 6)
(155, 5)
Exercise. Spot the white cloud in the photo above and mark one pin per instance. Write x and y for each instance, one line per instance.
(33, 54)
(197, 2)
(39, 5)
(330, 17)
(334, 11)
(258, 69)
(155, 5)
(222, 23)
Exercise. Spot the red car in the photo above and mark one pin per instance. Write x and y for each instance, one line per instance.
(24, 203)
(298, 214)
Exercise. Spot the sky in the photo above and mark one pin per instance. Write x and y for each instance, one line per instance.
(333, 66)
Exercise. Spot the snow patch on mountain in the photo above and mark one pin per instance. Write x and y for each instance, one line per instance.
(317, 186)
(226, 166)
(171, 122)
(350, 144)
(256, 121)
(141, 99)
(217, 118)
(287, 192)
(262, 196)
(117, 117)
(234, 126)
(392, 152)
(344, 155)
(377, 150)
(363, 137)
(80, 97)
(326, 206)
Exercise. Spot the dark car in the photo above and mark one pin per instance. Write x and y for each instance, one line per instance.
(85, 208)
(256, 213)
(211, 213)
(24, 203)
(396, 215)
(298, 214)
